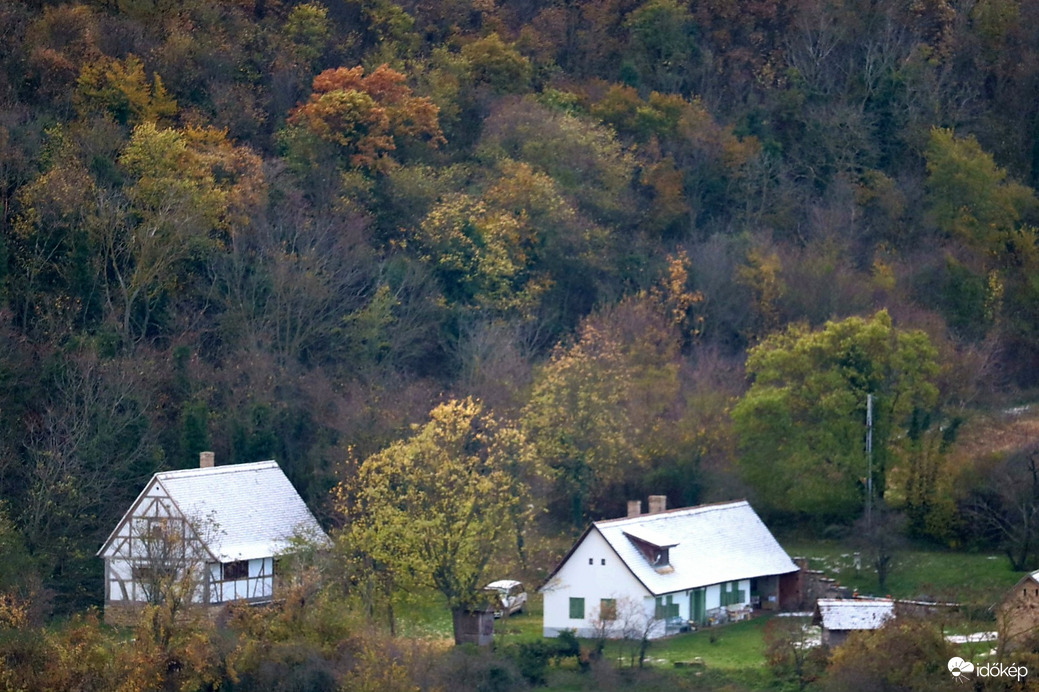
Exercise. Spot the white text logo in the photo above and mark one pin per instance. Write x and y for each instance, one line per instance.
(960, 670)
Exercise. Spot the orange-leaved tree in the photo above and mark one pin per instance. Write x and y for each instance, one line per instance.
(367, 116)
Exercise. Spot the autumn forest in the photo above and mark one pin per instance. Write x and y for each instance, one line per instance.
(622, 246)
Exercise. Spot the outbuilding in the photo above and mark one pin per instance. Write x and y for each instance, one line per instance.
(839, 617)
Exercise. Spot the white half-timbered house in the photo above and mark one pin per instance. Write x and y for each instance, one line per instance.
(215, 532)
(658, 573)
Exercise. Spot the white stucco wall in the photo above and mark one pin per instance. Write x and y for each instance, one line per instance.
(605, 576)
(594, 572)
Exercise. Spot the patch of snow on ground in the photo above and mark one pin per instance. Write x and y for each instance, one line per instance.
(971, 638)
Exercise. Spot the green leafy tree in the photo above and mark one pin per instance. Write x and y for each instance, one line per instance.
(309, 30)
(433, 509)
(475, 250)
(802, 422)
(661, 44)
(495, 63)
(975, 202)
(578, 422)
(970, 196)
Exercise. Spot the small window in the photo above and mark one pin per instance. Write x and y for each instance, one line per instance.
(153, 574)
(604, 561)
(591, 561)
(236, 570)
(608, 609)
(577, 609)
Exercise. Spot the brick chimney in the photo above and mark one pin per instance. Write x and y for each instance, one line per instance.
(634, 508)
(657, 503)
(205, 460)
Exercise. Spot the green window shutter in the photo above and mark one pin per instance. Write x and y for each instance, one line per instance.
(577, 609)
(608, 609)
(666, 608)
(731, 593)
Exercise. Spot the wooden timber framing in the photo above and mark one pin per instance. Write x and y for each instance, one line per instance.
(204, 537)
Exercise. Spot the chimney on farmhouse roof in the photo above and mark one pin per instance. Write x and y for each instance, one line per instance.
(634, 508)
(206, 460)
(657, 503)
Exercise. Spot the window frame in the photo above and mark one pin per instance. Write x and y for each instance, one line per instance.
(576, 606)
(229, 570)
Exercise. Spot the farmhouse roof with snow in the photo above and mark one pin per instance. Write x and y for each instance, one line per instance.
(241, 511)
(683, 549)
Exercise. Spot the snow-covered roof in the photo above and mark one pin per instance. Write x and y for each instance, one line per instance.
(709, 544)
(240, 511)
(853, 614)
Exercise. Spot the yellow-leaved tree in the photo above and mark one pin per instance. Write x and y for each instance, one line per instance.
(434, 510)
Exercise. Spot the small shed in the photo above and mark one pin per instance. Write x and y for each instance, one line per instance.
(215, 531)
(838, 617)
(474, 626)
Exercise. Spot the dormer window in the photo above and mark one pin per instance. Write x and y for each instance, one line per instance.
(655, 549)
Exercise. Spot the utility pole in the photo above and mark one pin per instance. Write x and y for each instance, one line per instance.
(869, 457)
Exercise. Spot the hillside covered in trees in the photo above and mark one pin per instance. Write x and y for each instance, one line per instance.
(290, 230)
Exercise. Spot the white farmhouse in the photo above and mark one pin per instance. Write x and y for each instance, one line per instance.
(215, 531)
(660, 572)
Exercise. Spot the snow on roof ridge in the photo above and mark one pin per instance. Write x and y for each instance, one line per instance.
(215, 470)
(696, 509)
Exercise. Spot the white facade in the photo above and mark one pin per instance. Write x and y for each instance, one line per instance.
(154, 539)
(595, 575)
(257, 585)
(653, 574)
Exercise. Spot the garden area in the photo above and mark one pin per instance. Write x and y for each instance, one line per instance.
(732, 656)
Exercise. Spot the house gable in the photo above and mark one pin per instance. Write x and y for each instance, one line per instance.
(591, 577)
(152, 505)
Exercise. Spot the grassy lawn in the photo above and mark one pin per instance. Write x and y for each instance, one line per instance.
(917, 573)
(426, 615)
(728, 647)
(733, 655)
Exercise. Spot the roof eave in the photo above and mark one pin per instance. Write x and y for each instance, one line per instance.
(577, 543)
